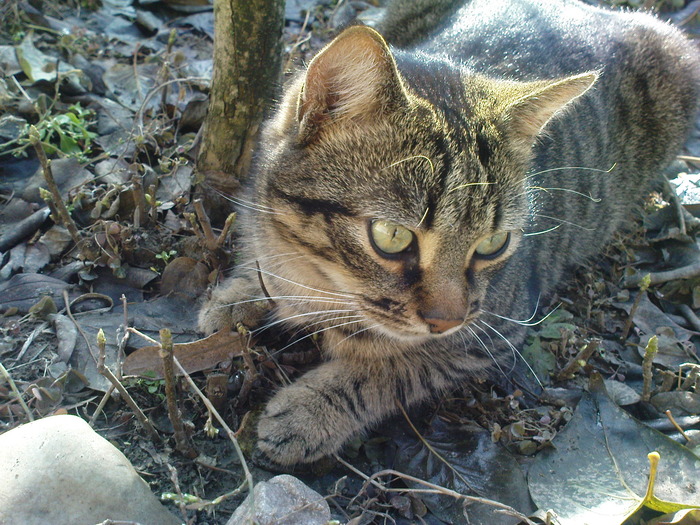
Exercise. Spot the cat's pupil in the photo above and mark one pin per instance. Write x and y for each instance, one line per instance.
(389, 238)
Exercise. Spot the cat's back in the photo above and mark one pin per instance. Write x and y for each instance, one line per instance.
(530, 39)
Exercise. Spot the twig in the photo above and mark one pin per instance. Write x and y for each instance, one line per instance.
(227, 429)
(35, 140)
(105, 371)
(647, 369)
(178, 491)
(16, 392)
(166, 353)
(211, 242)
(153, 212)
(139, 201)
(251, 372)
(224, 232)
(431, 449)
(690, 316)
(644, 284)
(101, 405)
(676, 425)
(684, 272)
(434, 489)
(120, 356)
(578, 360)
(210, 407)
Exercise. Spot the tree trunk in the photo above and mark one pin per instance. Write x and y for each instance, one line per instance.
(247, 58)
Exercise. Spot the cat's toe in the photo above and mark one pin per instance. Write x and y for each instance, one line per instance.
(289, 437)
(214, 316)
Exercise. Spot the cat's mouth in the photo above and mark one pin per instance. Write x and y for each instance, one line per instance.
(424, 329)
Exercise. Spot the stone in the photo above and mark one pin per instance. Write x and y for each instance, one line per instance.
(283, 500)
(58, 470)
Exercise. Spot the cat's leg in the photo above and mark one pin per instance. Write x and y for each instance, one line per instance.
(329, 405)
(238, 300)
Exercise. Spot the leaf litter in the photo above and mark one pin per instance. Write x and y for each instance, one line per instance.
(118, 108)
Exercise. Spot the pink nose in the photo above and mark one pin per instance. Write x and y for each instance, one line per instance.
(439, 326)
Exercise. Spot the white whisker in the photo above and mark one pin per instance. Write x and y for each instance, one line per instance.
(568, 190)
(543, 231)
(302, 299)
(527, 321)
(358, 332)
(563, 221)
(284, 320)
(486, 349)
(313, 334)
(582, 168)
(516, 353)
(347, 296)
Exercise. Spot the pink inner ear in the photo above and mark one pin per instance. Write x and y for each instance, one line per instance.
(354, 77)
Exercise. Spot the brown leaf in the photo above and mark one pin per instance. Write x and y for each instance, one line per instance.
(185, 277)
(195, 356)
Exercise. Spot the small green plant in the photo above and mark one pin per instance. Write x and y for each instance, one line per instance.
(153, 387)
(65, 134)
(166, 256)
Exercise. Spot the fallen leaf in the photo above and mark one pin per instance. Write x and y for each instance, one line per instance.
(593, 473)
(198, 355)
(469, 463)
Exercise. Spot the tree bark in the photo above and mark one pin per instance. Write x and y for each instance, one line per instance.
(247, 63)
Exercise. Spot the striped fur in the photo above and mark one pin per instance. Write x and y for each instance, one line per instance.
(546, 119)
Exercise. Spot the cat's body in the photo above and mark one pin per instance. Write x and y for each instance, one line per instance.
(399, 203)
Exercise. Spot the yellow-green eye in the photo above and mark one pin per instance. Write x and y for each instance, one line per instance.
(493, 246)
(389, 237)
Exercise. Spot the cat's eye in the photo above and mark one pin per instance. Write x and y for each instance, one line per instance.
(493, 246)
(389, 238)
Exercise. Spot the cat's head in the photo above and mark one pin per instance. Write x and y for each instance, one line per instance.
(394, 192)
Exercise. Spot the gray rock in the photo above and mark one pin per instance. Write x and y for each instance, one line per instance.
(283, 500)
(58, 470)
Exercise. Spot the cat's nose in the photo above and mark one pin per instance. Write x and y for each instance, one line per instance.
(439, 326)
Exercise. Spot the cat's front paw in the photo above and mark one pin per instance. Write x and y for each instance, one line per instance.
(233, 302)
(295, 428)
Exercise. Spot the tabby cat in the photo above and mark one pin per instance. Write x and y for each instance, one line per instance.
(413, 203)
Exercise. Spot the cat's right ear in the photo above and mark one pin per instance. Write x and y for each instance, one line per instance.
(352, 79)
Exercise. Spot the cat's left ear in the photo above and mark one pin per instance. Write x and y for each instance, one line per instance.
(354, 78)
(528, 115)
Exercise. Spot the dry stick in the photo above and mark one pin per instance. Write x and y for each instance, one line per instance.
(210, 407)
(120, 355)
(153, 212)
(676, 425)
(432, 489)
(63, 214)
(229, 432)
(647, 370)
(210, 239)
(105, 371)
(644, 284)
(690, 316)
(578, 360)
(4, 373)
(430, 448)
(684, 272)
(178, 491)
(224, 232)
(140, 201)
(166, 353)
